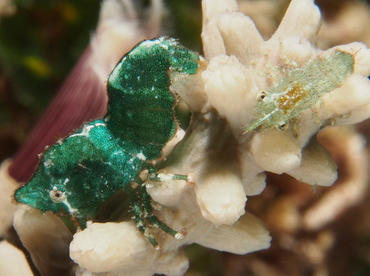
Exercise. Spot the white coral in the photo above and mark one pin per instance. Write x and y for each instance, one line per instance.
(120, 249)
(242, 64)
(13, 261)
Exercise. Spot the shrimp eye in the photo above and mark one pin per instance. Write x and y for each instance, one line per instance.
(57, 196)
(262, 95)
(283, 126)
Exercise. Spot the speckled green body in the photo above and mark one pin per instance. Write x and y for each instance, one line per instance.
(301, 89)
(86, 168)
(79, 173)
(146, 119)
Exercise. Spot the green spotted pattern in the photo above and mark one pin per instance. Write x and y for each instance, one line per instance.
(79, 173)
